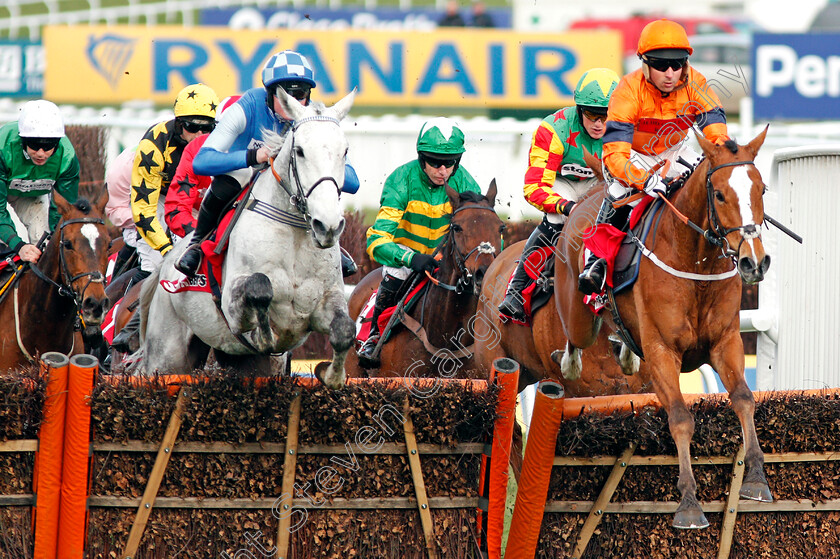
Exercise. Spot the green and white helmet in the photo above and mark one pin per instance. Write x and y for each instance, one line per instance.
(595, 87)
(441, 135)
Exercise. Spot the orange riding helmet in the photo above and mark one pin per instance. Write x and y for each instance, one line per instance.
(664, 38)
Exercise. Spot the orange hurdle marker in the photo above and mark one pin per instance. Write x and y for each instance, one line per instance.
(536, 472)
(47, 476)
(506, 373)
(74, 476)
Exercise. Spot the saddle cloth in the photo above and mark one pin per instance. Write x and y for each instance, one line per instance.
(618, 249)
(540, 268)
(365, 319)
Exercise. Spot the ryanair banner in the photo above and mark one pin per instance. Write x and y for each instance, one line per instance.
(445, 68)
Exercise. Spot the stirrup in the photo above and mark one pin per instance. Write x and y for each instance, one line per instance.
(190, 261)
(591, 283)
(366, 360)
(512, 307)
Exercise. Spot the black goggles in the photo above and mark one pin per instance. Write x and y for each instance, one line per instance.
(663, 64)
(594, 117)
(437, 162)
(36, 144)
(298, 91)
(195, 127)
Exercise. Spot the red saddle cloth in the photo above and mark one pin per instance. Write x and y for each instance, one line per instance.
(604, 241)
(534, 265)
(364, 322)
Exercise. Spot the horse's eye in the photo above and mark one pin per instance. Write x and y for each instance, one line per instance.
(299, 151)
(456, 228)
(502, 229)
(67, 244)
(719, 196)
(764, 190)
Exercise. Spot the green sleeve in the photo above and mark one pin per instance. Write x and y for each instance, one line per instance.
(8, 232)
(380, 237)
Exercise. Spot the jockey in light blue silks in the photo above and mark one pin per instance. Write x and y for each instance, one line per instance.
(235, 148)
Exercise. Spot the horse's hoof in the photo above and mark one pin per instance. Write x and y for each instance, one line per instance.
(756, 492)
(557, 356)
(690, 519)
(326, 375)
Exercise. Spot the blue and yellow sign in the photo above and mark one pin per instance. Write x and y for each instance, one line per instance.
(443, 68)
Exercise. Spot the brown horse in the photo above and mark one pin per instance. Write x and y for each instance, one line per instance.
(536, 347)
(63, 292)
(448, 305)
(683, 310)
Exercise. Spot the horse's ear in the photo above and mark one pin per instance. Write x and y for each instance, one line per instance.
(289, 105)
(342, 107)
(593, 162)
(757, 142)
(61, 203)
(707, 146)
(454, 197)
(491, 193)
(103, 200)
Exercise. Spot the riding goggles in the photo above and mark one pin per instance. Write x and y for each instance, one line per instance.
(662, 64)
(198, 126)
(594, 117)
(35, 144)
(297, 90)
(437, 162)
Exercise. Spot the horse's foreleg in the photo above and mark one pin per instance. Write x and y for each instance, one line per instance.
(334, 320)
(727, 358)
(665, 369)
(569, 360)
(247, 309)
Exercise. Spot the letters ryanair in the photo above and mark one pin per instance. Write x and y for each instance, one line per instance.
(797, 76)
(465, 67)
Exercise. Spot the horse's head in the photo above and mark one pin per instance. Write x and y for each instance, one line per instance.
(311, 162)
(735, 194)
(82, 249)
(475, 234)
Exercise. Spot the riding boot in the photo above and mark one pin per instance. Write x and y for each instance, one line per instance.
(513, 305)
(348, 266)
(222, 190)
(386, 297)
(591, 279)
(128, 339)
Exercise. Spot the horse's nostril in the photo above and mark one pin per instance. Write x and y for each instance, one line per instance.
(745, 265)
(765, 264)
(318, 227)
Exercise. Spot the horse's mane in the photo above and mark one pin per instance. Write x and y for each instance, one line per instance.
(731, 145)
(83, 205)
(274, 142)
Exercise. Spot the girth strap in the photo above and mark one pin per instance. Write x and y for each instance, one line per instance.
(418, 330)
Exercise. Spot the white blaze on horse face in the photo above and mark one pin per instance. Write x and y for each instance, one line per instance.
(91, 233)
(742, 184)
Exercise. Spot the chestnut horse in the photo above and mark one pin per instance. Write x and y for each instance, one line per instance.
(448, 305)
(63, 292)
(535, 348)
(683, 310)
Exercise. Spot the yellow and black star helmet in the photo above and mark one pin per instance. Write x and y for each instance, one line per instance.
(196, 100)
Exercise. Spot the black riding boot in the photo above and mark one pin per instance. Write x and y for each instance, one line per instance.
(222, 190)
(591, 279)
(544, 235)
(386, 297)
(128, 339)
(348, 265)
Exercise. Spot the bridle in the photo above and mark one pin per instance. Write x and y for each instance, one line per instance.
(299, 197)
(465, 277)
(717, 233)
(65, 288)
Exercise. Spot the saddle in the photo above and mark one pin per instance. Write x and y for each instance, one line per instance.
(408, 300)
(540, 268)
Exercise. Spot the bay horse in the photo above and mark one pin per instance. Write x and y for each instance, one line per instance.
(447, 308)
(281, 277)
(683, 310)
(64, 292)
(537, 346)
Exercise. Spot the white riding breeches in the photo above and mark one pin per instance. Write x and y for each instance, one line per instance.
(618, 190)
(570, 190)
(31, 216)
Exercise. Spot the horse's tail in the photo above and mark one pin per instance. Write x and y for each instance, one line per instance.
(147, 291)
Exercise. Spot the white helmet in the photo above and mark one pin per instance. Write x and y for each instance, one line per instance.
(40, 119)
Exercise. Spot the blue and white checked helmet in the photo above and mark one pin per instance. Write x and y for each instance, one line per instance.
(288, 66)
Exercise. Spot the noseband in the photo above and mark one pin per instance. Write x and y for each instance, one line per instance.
(299, 197)
(465, 278)
(717, 233)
